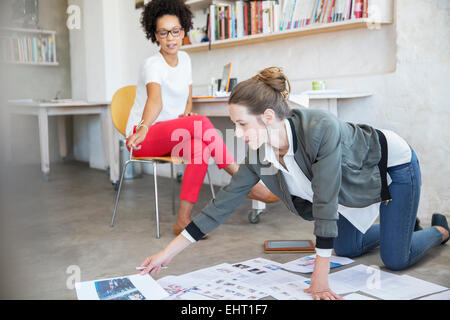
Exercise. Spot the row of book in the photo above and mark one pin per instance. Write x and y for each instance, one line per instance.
(28, 49)
(243, 18)
(228, 20)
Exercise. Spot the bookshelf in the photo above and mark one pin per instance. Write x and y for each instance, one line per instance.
(339, 18)
(32, 47)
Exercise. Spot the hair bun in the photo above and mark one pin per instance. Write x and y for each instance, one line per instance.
(275, 78)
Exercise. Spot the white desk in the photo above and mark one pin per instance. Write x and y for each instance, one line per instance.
(61, 109)
(211, 107)
(325, 101)
(218, 107)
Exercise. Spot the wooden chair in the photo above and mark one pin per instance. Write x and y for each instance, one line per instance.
(121, 105)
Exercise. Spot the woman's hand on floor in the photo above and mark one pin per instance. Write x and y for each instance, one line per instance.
(319, 288)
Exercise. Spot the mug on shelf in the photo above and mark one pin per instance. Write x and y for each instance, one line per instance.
(195, 35)
(318, 85)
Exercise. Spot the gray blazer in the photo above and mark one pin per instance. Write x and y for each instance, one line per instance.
(339, 158)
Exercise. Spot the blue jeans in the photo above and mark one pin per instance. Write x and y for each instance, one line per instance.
(400, 246)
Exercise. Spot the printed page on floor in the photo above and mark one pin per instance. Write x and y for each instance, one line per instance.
(226, 289)
(357, 296)
(438, 296)
(133, 287)
(290, 290)
(402, 288)
(306, 264)
(242, 280)
(360, 277)
(177, 284)
(188, 295)
(384, 285)
(264, 273)
(336, 286)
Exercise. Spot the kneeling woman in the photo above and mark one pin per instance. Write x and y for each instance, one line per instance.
(339, 174)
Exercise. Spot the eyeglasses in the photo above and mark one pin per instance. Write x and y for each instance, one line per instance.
(175, 32)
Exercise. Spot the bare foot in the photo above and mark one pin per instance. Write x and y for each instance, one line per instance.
(259, 191)
(184, 216)
(262, 193)
(444, 232)
(180, 225)
(232, 168)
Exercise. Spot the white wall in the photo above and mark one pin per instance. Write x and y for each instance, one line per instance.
(88, 80)
(96, 71)
(39, 83)
(405, 65)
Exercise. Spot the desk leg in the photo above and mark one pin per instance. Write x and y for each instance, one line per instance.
(62, 137)
(44, 145)
(111, 146)
(9, 142)
(105, 133)
(332, 106)
(115, 172)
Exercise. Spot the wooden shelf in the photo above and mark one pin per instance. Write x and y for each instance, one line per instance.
(304, 31)
(23, 30)
(198, 4)
(54, 64)
(24, 34)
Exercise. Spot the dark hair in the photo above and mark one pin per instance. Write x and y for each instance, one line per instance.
(268, 89)
(155, 9)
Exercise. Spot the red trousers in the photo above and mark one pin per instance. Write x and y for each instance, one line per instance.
(193, 138)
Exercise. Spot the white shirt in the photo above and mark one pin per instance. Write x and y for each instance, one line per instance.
(174, 82)
(299, 185)
(398, 149)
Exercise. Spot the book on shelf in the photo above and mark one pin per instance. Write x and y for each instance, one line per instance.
(28, 48)
(366, 9)
(359, 8)
(266, 17)
(237, 19)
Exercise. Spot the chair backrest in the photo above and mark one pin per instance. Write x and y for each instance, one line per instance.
(121, 105)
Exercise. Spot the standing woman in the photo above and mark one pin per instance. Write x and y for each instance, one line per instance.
(164, 102)
(339, 174)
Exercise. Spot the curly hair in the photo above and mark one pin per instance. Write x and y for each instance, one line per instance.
(158, 8)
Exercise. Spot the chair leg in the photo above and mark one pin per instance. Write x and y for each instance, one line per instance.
(173, 189)
(156, 198)
(118, 192)
(210, 185)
